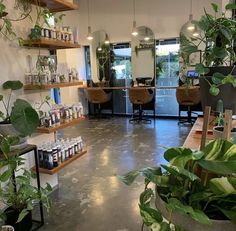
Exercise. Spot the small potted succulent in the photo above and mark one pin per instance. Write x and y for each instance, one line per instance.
(195, 192)
(19, 119)
(215, 40)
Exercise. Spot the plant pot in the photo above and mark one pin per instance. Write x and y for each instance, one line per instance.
(227, 91)
(191, 225)
(218, 132)
(9, 130)
(12, 215)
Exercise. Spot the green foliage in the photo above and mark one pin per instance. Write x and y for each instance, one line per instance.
(26, 194)
(22, 116)
(217, 43)
(185, 186)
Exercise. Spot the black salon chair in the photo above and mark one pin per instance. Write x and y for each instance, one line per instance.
(140, 96)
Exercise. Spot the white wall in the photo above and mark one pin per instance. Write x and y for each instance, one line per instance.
(164, 17)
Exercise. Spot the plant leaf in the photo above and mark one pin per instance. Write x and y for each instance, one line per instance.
(13, 85)
(165, 226)
(198, 215)
(5, 176)
(219, 167)
(230, 6)
(214, 90)
(24, 118)
(146, 196)
(180, 171)
(217, 78)
(129, 177)
(201, 70)
(221, 186)
(214, 7)
(231, 214)
(22, 214)
(150, 215)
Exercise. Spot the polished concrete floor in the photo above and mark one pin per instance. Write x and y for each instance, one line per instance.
(90, 196)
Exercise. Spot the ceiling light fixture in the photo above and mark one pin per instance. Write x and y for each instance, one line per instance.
(90, 35)
(190, 25)
(107, 41)
(134, 30)
(146, 37)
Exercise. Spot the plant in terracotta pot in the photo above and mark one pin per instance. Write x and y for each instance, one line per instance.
(20, 119)
(18, 193)
(216, 41)
(195, 192)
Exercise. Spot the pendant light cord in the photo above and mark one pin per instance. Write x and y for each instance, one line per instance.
(134, 9)
(191, 6)
(88, 13)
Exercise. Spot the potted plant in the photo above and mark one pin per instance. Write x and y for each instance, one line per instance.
(195, 192)
(20, 119)
(18, 193)
(216, 41)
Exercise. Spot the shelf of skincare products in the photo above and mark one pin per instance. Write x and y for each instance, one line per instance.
(55, 156)
(48, 78)
(50, 44)
(60, 117)
(57, 5)
(54, 85)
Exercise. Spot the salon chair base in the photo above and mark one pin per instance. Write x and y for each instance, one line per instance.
(138, 117)
(189, 119)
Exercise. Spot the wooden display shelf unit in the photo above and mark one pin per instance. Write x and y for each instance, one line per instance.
(49, 44)
(61, 126)
(57, 5)
(53, 85)
(62, 165)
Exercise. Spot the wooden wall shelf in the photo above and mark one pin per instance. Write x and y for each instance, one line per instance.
(57, 5)
(61, 126)
(54, 85)
(49, 44)
(62, 165)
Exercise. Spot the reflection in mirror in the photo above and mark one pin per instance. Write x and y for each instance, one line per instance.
(100, 55)
(143, 57)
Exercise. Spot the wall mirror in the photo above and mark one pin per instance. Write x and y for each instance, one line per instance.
(101, 57)
(143, 57)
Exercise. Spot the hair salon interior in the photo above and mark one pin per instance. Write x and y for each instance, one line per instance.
(117, 115)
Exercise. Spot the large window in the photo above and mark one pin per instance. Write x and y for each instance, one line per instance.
(122, 60)
(167, 56)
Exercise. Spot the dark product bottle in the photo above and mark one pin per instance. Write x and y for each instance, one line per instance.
(76, 147)
(45, 158)
(40, 157)
(66, 153)
(59, 154)
(70, 151)
(55, 156)
(50, 159)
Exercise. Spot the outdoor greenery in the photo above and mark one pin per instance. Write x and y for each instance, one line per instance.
(216, 40)
(198, 184)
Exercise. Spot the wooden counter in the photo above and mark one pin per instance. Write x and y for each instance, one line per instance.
(193, 139)
(128, 87)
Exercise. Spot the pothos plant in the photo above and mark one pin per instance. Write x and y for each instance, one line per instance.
(24, 11)
(216, 40)
(18, 193)
(197, 184)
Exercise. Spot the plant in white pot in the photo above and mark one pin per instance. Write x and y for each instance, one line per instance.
(20, 119)
(216, 41)
(195, 192)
